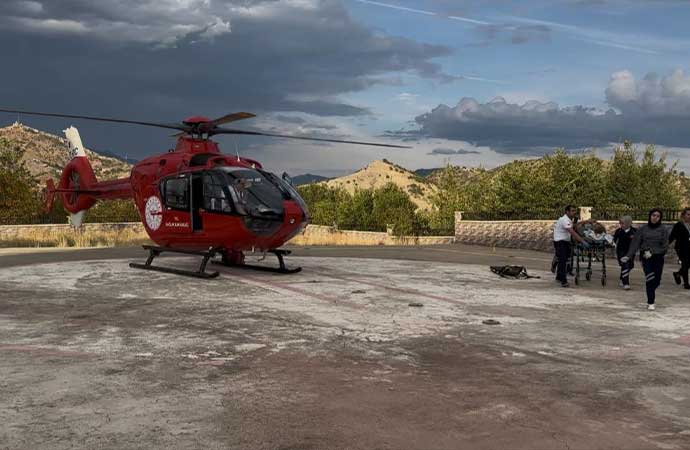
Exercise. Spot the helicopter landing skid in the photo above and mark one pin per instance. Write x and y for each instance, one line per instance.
(279, 254)
(156, 251)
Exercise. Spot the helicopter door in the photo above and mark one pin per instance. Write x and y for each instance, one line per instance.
(177, 212)
(197, 201)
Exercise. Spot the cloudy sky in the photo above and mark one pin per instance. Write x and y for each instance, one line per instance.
(466, 82)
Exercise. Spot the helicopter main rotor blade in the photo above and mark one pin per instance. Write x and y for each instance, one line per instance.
(233, 117)
(100, 119)
(339, 141)
(208, 127)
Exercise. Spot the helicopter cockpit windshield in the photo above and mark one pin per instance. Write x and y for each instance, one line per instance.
(254, 194)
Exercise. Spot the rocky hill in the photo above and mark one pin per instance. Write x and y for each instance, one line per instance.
(46, 154)
(426, 172)
(379, 173)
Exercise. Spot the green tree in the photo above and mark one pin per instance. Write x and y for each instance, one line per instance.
(536, 187)
(113, 211)
(392, 206)
(323, 202)
(355, 212)
(19, 199)
(58, 214)
(459, 191)
(366, 209)
(643, 183)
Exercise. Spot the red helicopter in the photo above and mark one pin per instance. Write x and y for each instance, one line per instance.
(194, 199)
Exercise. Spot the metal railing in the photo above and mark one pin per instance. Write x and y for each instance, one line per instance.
(518, 214)
(638, 214)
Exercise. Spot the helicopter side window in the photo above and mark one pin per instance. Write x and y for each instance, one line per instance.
(215, 195)
(177, 193)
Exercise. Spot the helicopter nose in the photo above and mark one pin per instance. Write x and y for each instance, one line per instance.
(293, 212)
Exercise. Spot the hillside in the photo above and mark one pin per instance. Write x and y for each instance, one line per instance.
(379, 173)
(425, 172)
(45, 154)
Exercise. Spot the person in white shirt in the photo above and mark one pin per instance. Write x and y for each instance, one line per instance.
(563, 231)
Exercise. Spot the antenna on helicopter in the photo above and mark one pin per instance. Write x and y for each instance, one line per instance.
(237, 149)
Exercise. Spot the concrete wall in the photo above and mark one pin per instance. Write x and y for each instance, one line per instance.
(524, 234)
(325, 235)
(121, 234)
(63, 235)
(18, 231)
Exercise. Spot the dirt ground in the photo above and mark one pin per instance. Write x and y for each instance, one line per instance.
(366, 348)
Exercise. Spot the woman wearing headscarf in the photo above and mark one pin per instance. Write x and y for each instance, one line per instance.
(623, 237)
(652, 242)
(680, 234)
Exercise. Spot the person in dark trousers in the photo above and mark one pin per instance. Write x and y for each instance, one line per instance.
(563, 231)
(680, 234)
(623, 237)
(652, 242)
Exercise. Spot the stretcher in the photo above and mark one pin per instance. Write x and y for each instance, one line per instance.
(588, 257)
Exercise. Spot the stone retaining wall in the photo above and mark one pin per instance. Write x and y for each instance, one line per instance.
(18, 231)
(523, 234)
(325, 235)
(63, 235)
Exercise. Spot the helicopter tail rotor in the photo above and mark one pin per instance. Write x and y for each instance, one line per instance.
(77, 177)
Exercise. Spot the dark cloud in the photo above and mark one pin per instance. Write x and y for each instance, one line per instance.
(165, 60)
(654, 110)
(152, 21)
(450, 151)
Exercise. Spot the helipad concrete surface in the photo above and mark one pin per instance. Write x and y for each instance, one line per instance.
(368, 348)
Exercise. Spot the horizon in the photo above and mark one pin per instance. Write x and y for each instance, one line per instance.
(341, 173)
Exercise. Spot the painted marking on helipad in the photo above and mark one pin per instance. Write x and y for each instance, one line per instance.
(684, 340)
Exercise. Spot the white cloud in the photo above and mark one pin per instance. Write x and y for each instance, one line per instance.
(407, 98)
(51, 25)
(652, 96)
(653, 109)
